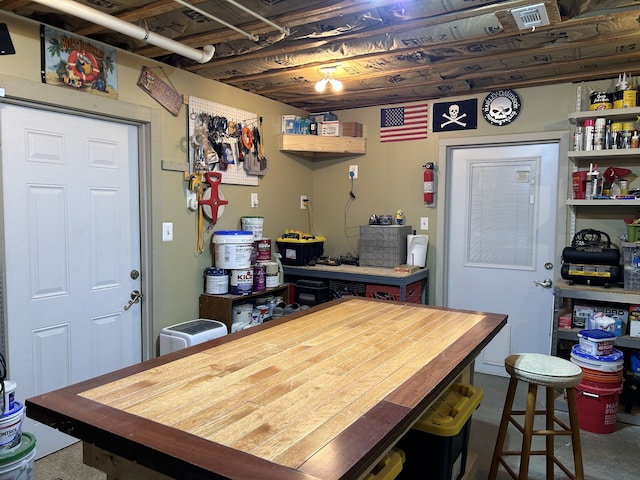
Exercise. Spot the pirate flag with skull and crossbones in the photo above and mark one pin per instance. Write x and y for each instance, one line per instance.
(449, 116)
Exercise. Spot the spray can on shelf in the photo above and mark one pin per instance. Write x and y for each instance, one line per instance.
(599, 133)
(589, 127)
(578, 138)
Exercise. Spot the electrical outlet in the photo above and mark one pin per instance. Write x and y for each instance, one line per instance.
(353, 171)
(303, 200)
(167, 232)
(424, 223)
(254, 200)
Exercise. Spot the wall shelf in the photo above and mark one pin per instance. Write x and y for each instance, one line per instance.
(319, 146)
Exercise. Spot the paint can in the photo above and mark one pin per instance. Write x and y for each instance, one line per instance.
(242, 313)
(241, 281)
(9, 395)
(216, 281)
(272, 274)
(18, 463)
(11, 427)
(233, 249)
(259, 281)
(253, 225)
(263, 250)
(600, 101)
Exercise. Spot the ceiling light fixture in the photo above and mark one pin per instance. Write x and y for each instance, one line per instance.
(336, 85)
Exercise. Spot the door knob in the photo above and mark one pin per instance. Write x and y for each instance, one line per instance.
(546, 283)
(135, 298)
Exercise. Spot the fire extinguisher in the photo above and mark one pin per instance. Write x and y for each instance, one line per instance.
(429, 183)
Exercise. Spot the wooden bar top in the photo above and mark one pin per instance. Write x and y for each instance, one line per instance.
(318, 395)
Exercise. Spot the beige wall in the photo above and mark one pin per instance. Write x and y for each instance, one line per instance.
(390, 175)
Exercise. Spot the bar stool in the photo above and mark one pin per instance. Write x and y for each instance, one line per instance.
(552, 373)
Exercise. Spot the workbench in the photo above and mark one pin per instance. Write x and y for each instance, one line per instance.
(321, 394)
(365, 275)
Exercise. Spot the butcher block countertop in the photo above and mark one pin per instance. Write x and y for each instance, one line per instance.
(317, 395)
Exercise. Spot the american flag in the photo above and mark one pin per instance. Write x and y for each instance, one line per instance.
(408, 122)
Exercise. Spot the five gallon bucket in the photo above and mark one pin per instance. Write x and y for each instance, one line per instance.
(597, 394)
(18, 463)
(11, 427)
(233, 249)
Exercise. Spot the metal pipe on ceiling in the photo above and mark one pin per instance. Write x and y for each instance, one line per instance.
(108, 21)
(251, 36)
(284, 30)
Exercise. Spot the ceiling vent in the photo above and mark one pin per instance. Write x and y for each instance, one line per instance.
(531, 16)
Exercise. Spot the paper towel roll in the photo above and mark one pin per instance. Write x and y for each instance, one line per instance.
(417, 249)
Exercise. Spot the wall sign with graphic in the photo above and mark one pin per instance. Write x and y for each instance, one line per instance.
(461, 115)
(501, 107)
(78, 63)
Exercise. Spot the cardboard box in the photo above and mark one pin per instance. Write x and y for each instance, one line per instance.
(289, 124)
(330, 129)
(323, 117)
(584, 315)
(564, 321)
(351, 129)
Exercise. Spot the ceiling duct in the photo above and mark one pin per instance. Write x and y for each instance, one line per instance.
(531, 16)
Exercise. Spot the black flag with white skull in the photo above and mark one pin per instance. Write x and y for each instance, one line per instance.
(461, 115)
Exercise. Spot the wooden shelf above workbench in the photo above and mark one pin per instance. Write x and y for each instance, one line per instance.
(320, 146)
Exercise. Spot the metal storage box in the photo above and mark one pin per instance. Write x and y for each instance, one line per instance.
(383, 245)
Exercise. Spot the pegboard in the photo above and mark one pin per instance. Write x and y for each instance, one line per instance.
(233, 173)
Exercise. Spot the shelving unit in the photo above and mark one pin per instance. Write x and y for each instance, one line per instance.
(319, 146)
(220, 307)
(566, 294)
(627, 157)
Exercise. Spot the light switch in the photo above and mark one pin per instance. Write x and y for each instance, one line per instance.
(167, 231)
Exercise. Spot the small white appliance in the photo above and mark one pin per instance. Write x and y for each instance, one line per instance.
(192, 332)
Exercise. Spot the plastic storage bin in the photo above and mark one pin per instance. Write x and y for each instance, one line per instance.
(311, 292)
(389, 467)
(300, 251)
(596, 342)
(438, 442)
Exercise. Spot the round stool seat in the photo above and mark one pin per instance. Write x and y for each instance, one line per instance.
(543, 370)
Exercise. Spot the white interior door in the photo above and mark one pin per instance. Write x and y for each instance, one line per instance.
(72, 240)
(501, 241)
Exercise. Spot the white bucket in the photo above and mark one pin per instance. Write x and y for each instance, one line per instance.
(613, 362)
(241, 281)
(18, 464)
(11, 426)
(254, 225)
(216, 281)
(233, 249)
(417, 249)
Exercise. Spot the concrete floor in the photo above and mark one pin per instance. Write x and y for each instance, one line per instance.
(614, 456)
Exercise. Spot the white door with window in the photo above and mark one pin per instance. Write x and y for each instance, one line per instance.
(501, 232)
(72, 251)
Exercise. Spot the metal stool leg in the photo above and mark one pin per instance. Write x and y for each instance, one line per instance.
(529, 417)
(502, 430)
(575, 433)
